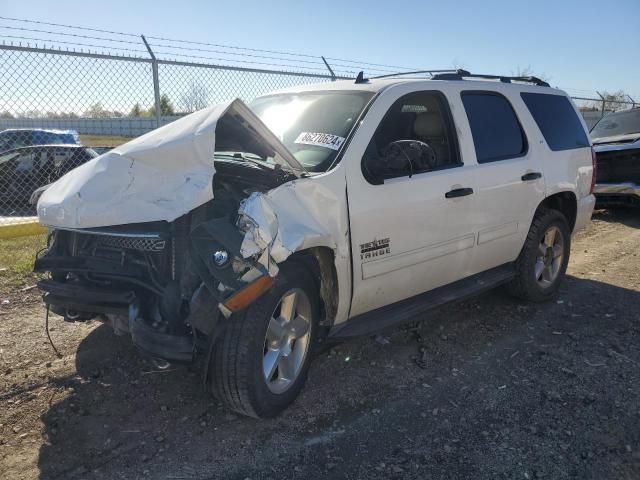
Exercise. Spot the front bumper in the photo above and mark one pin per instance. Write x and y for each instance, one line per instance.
(75, 301)
(623, 193)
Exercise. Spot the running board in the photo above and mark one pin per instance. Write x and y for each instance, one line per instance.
(406, 310)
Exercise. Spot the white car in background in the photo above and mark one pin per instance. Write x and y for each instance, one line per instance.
(248, 235)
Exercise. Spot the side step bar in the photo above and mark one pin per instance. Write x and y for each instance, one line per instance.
(406, 310)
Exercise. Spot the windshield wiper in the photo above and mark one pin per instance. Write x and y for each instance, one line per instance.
(245, 157)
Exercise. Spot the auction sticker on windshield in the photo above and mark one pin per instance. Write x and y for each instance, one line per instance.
(334, 142)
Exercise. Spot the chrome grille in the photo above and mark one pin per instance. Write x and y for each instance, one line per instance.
(132, 243)
(149, 243)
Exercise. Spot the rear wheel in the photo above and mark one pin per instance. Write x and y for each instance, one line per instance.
(260, 364)
(543, 261)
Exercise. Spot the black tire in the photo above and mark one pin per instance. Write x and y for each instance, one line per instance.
(525, 284)
(237, 378)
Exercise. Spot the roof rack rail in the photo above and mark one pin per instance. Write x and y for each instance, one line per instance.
(432, 72)
(462, 74)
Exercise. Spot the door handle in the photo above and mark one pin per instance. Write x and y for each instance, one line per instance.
(459, 192)
(527, 177)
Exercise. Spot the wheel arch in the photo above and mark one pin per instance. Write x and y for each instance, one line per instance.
(566, 203)
(320, 261)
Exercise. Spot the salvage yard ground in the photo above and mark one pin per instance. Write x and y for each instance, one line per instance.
(489, 388)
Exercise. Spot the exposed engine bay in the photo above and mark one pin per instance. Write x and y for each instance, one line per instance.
(172, 233)
(161, 281)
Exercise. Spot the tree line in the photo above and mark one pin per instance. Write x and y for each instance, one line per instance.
(196, 97)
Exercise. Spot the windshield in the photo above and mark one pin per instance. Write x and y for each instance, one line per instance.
(8, 140)
(314, 125)
(619, 123)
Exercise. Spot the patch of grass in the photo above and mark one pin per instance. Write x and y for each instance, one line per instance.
(16, 260)
(102, 140)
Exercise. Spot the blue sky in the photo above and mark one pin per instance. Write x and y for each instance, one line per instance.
(581, 46)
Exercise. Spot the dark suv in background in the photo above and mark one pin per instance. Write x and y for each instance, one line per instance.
(616, 141)
(25, 137)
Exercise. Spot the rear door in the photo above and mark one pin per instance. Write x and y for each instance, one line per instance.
(509, 176)
(410, 198)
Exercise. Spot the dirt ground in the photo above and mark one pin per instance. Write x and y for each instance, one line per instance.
(502, 390)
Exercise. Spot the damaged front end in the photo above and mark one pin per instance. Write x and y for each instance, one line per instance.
(169, 280)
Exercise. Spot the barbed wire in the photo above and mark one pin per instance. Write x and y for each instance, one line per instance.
(291, 68)
(91, 37)
(185, 49)
(252, 62)
(351, 63)
(50, 41)
(357, 62)
(314, 62)
(67, 26)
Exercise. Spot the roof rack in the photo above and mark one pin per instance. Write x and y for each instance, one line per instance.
(459, 74)
(462, 74)
(431, 72)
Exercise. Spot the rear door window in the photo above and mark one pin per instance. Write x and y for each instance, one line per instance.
(497, 134)
(557, 120)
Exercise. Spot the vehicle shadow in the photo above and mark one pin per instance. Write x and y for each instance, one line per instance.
(125, 415)
(628, 216)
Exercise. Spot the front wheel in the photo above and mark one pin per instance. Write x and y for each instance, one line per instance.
(543, 261)
(260, 364)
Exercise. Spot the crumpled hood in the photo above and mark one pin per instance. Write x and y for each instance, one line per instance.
(616, 142)
(161, 175)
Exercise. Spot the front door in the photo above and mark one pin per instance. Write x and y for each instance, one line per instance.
(410, 199)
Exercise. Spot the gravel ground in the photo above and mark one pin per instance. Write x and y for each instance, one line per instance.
(489, 388)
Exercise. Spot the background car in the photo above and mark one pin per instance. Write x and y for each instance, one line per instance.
(616, 142)
(24, 137)
(25, 169)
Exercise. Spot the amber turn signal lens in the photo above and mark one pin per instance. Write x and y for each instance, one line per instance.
(245, 297)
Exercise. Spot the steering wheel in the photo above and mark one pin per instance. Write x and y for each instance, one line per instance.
(420, 155)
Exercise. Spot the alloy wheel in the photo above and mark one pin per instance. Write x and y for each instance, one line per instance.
(550, 256)
(287, 341)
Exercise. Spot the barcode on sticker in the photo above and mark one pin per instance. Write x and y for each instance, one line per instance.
(334, 142)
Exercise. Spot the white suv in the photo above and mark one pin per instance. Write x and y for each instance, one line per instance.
(249, 234)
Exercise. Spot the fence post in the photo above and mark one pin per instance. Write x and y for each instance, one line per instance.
(603, 104)
(156, 80)
(333, 75)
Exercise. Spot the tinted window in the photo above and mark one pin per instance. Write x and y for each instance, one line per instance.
(415, 136)
(557, 120)
(497, 134)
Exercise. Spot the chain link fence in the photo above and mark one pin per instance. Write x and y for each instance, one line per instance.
(60, 108)
(593, 109)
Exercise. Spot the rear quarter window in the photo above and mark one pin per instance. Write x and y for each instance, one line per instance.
(557, 120)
